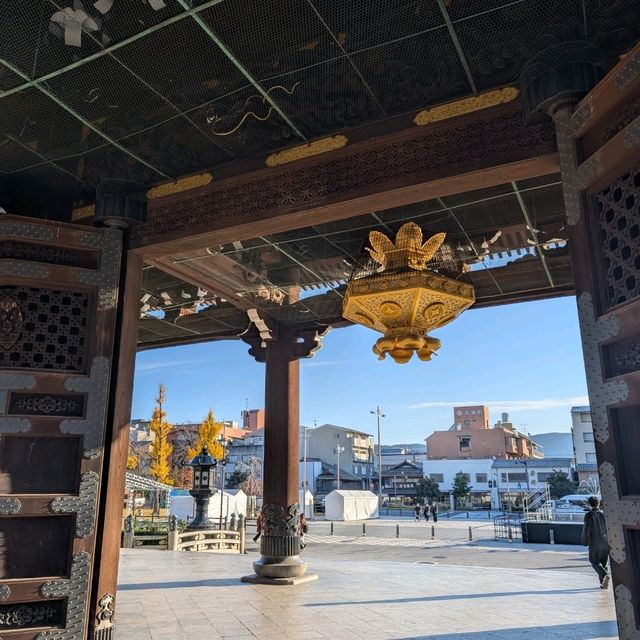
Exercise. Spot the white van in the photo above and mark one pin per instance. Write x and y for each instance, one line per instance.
(575, 503)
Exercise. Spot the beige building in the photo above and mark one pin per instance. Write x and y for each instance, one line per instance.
(356, 449)
(253, 419)
(474, 439)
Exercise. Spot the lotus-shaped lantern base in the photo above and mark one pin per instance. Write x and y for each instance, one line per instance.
(402, 347)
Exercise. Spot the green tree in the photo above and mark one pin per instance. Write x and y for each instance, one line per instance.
(427, 489)
(236, 479)
(461, 486)
(560, 485)
(208, 434)
(161, 448)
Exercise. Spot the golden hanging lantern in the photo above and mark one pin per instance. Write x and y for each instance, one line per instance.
(403, 299)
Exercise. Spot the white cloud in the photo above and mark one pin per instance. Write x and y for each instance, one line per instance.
(165, 364)
(508, 405)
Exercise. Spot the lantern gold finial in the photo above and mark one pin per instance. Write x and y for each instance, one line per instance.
(404, 300)
(408, 250)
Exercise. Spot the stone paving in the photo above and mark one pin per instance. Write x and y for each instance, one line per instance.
(178, 595)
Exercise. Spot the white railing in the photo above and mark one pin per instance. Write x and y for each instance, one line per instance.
(551, 515)
(208, 540)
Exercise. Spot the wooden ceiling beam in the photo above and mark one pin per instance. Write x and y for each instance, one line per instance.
(473, 151)
(617, 88)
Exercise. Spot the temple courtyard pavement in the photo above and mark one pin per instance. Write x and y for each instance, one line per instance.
(376, 587)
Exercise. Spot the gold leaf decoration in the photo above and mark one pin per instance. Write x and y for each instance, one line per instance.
(466, 105)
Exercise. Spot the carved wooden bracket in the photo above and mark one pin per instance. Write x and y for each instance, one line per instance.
(300, 342)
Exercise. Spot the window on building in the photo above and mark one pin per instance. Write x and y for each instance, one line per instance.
(587, 436)
(481, 477)
(465, 443)
(585, 417)
(467, 423)
(437, 477)
(543, 476)
(513, 477)
(591, 458)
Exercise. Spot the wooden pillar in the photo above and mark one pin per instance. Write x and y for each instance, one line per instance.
(599, 149)
(105, 574)
(280, 542)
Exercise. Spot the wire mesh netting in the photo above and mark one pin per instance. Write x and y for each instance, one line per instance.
(259, 76)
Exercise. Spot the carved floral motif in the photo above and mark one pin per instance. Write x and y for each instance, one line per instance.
(11, 320)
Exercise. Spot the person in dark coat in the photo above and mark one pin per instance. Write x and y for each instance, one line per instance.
(417, 510)
(425, 512)
(434, 511)
(594, 536)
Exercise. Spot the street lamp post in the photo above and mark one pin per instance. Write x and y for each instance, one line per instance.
(338, 450)
(223, 463)
(379, 415)
(526, 469)
(304, 463)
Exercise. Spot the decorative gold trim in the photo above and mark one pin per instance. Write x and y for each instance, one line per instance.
(466, 105)
(306, 150)
(83, 212)
(182, 184)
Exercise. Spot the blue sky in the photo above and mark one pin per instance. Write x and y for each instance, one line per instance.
(525, 359)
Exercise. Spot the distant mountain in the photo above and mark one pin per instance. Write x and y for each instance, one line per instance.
(417, 447)
(555, 445)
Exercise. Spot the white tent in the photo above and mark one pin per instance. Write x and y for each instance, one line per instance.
(232, 501)
(306, 502)
(351, 505)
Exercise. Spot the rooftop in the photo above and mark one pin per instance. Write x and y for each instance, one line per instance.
(552, 463)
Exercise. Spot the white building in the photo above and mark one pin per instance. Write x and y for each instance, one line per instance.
(584, 446)
(516, 479)
(496, 483)
(478, 474)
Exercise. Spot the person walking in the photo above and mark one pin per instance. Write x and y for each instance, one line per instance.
(425, 512)
(417, 510)
(433, 507)
(594, 536)
(258, 528)
(304, 527)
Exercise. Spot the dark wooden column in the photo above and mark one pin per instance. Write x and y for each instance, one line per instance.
(280, 543)
(599, 148)
(105, 573)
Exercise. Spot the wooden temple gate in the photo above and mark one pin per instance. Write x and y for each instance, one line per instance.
(70, 304)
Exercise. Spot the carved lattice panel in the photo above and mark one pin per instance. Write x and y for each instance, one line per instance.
(48, 326)
(619, 221)
(58, 295)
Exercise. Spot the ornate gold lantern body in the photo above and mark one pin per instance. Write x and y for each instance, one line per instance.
(402, 298)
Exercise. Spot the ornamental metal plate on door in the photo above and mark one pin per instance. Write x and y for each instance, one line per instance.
(58, 294)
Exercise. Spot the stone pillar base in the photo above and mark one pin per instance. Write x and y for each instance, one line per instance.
(256, 579)
(280, 567)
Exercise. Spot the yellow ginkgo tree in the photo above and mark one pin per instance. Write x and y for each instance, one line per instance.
(161, 448)
(208, 434)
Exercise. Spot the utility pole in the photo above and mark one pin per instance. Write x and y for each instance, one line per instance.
(379, 415)
(338, 450)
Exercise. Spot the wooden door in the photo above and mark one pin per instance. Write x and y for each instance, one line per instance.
(58, 299)
(599, 146)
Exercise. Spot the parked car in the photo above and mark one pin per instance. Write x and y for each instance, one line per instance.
(574, 503)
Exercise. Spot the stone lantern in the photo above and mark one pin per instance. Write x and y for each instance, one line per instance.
(203, 488)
